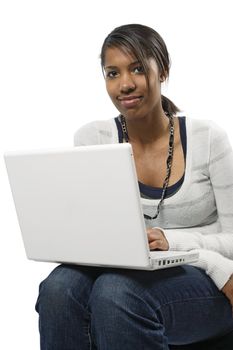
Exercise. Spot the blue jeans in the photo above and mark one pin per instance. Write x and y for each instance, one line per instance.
(83, 308)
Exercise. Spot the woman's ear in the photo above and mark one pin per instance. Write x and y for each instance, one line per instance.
(163, 77)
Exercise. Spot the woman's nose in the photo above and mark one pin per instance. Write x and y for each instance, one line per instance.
(127, 84)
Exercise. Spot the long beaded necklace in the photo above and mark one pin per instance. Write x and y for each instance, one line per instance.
(168, 162)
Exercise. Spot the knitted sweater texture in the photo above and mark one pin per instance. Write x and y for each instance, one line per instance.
(199, 216)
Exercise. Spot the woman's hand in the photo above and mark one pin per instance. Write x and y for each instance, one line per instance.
(157, 239)
(228, 290)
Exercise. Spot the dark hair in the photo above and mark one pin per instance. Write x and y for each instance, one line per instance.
(144, 42)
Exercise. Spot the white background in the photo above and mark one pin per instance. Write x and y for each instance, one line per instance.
(51, 83)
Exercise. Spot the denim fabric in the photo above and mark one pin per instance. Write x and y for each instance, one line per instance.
(83, 308)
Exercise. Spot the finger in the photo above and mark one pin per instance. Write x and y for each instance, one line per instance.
(156, 244)
(160, 244)
(155, 236)
(151, 237)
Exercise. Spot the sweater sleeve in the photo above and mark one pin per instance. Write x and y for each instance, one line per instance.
(86, 135)
(215, 265)
(216, 249)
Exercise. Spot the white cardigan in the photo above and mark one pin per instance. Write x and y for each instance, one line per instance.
(199, 216)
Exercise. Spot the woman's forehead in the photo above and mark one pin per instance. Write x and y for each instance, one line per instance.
(120, 55)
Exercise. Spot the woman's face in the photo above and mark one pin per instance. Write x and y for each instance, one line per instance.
(127, 86)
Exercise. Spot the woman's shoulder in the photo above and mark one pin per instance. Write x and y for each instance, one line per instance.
(210, 136)
(206, 125)
(96, 132)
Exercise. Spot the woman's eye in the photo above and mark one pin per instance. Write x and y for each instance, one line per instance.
(111, 74)
(139, 69)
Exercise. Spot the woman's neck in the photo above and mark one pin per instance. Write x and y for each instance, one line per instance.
(149, 129)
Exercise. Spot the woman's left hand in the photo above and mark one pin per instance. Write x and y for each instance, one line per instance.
(228, 290)
(157, 239)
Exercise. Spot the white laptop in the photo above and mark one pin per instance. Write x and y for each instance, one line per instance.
(81, 205)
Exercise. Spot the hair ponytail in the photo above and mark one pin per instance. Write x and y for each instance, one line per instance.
(168, 106)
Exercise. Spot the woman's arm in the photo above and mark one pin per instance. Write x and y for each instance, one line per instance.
(221, 177)
(215, 249)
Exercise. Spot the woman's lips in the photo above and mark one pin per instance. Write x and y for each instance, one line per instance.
(130, 102)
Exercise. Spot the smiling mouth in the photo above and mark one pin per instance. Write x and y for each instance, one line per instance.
(130, 101)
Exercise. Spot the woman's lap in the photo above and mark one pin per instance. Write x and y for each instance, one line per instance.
(183, 300)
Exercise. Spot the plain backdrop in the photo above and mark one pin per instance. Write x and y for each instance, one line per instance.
(51, 84)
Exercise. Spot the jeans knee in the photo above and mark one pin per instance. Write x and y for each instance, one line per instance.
(119, 305)
(52, 292)
(115, 294)
(65, 284)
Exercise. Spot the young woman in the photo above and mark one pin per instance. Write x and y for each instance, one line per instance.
(185, 174)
